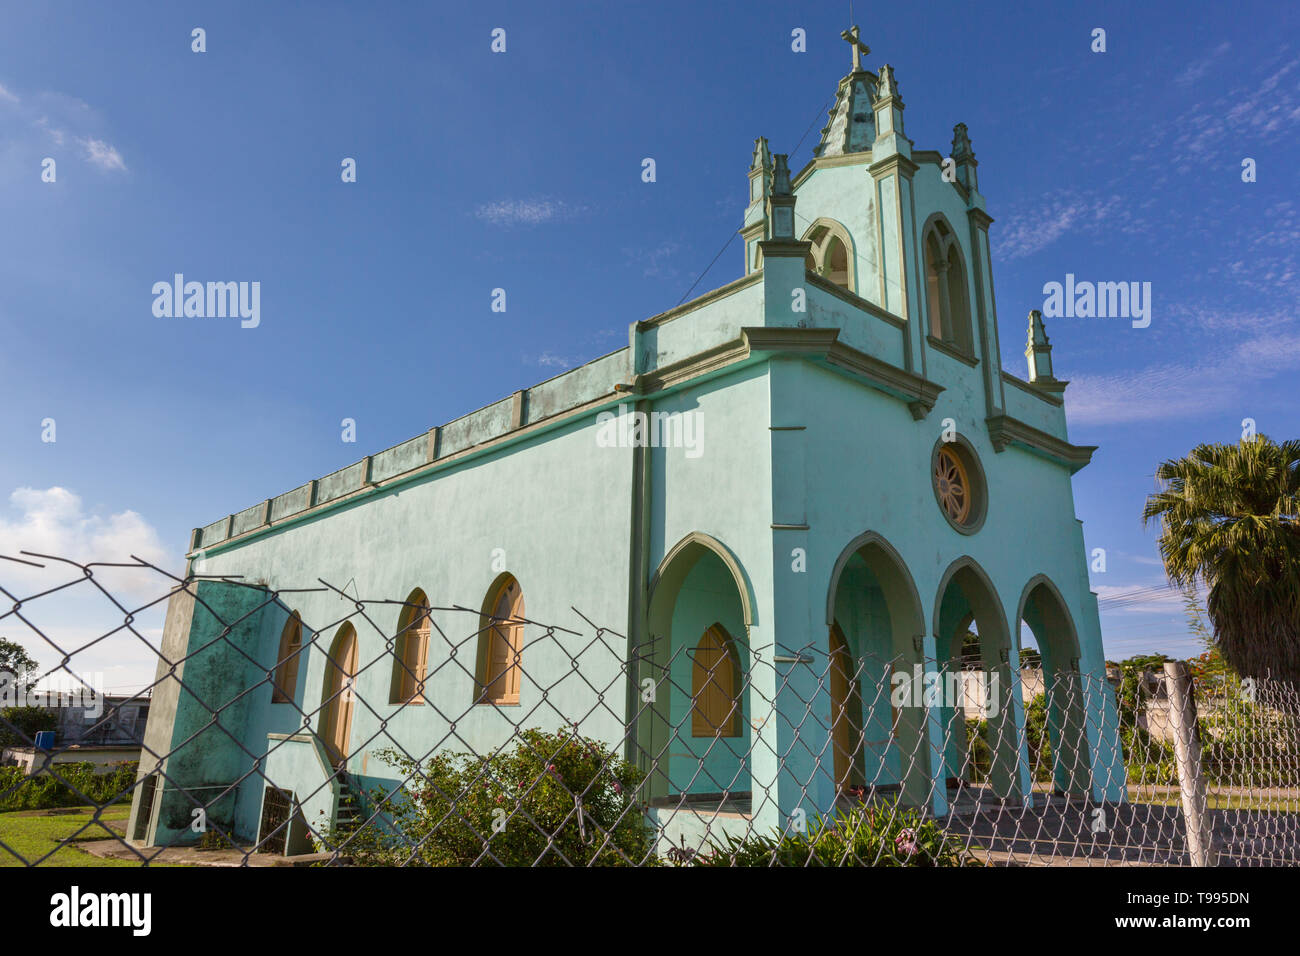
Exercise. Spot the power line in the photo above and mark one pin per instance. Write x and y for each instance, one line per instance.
(732, 235)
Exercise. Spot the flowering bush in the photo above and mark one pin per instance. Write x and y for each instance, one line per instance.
(876, 835)
(555, 799)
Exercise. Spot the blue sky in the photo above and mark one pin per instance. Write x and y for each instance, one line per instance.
(522, 170)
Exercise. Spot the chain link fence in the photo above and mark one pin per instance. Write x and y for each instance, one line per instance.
(478, 736)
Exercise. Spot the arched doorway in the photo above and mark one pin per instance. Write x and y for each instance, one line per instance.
(338, 697)
(876, 626)
(973, 646)
(693, 673)
(1062, 707)
(965, 700)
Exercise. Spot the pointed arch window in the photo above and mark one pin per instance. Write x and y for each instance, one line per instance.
(285, 685)
(411, 651)
(501, 642)
(715, 686)
(831, 255)
(945, 288)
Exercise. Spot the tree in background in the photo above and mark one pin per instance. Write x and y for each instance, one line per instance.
(1230, 517)
(18, 722)
(1134, 686)
(15, 660)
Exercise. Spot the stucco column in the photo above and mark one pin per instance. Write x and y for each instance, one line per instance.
(797, 663)
(933, 739)
(900, 273)
(769, 809)
(784, 270)
(984, 314)
(1010, 775)
(1101, 715)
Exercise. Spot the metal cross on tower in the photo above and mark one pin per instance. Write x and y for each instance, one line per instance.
(860, 49)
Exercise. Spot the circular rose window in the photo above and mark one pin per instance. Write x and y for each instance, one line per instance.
(952, 485)
(958, 484)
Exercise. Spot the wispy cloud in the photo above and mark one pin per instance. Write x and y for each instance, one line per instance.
(549, 359)
(526, 212)
(1200, 67)
(58, 136)
(103, 155)
(654, 260)
(1026, 232)
(50, 120)
(1223, 378)
(1259, 111)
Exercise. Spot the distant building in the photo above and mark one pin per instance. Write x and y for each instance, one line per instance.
(104, 731)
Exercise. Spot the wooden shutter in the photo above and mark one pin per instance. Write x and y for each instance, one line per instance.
(715, 710)
(421, 662)
(286, 668)
(411, 651)
(505, 641)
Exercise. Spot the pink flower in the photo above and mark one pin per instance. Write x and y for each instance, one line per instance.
(906, 842)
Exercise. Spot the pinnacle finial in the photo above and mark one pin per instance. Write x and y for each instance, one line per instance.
(781, 176)
(961, 147)
(1038, 350)
(1037, 331)
(888, 85)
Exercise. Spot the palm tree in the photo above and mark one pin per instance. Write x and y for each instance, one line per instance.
(1230, 518)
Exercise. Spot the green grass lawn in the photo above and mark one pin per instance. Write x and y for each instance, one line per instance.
(32, 834)
(1217, 801)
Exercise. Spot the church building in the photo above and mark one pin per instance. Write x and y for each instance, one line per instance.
(779, 501)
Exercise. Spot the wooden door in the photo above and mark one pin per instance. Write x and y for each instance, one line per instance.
(846, 713)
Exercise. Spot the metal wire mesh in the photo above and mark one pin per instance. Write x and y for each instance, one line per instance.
(266, 745)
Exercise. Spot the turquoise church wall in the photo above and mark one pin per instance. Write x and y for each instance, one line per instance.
(806, 499)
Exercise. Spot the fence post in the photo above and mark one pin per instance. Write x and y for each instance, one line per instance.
(1187, 758)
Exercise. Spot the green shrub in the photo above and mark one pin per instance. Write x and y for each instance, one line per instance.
(1037, 739)
(45, 790)
(1149, 761)
(875, 835)
(1245, 744)
(979, 758)
(518, 808)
